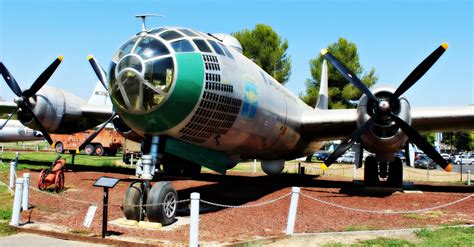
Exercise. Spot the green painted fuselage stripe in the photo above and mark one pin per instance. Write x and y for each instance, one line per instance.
(212, 159)
(180, 103)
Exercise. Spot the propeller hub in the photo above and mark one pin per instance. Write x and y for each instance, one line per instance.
(384, 106)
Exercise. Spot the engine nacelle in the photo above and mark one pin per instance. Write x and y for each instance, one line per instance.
(272, 167)
(384, 138)
(59, 112)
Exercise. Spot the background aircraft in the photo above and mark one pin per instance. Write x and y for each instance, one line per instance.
(15, 131)
(194, 99)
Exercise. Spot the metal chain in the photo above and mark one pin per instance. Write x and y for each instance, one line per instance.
(387, 211)
(61, 197)
(244, 206)
(153, 204)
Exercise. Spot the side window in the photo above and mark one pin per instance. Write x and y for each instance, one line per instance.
(182, 46)
(216, 47)
(169, 35)
(227, 52)
(188, 32)
(202, 46)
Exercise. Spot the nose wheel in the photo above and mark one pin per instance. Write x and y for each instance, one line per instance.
(161, 202)
(392, 171)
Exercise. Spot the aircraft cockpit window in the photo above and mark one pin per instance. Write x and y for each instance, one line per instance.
(188, 32)
(182, 46)
(202, 45)
(150, 47)
(169, 35)
(216, 47)
(124, 49)
(227, 52)
(158, 81)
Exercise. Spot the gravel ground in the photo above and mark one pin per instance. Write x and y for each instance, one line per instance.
(66, 211)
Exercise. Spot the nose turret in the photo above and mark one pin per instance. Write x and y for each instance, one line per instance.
(143, 75)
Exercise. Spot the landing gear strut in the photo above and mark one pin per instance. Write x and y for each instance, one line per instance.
(161, 198)
(383, 173)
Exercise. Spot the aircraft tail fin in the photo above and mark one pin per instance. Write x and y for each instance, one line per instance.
(322, 102)
(99, 96)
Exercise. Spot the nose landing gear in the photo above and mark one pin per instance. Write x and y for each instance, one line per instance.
(158, 203)
(392, 172)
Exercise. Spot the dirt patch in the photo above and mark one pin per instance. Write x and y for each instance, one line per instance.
(67, 209)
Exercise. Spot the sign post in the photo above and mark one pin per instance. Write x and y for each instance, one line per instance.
(106, 183)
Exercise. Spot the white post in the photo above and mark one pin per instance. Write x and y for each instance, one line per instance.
(468, 177)
(254, 165)
(26, 192)
(12, 174)
(131, 160)
(194, 224)
(17, 203)
(290, 226)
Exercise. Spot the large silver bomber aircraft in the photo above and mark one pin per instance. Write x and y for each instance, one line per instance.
(194, 100)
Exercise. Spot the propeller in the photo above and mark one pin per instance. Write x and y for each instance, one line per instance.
(383, 108)
(102, 75)
(22, 99)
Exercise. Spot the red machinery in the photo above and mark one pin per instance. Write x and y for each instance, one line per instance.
(53, 175)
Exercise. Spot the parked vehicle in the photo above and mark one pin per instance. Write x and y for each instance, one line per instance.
(425, 162)
(464, 159)
(446, 157)
(321, 155)
(346, 158)
(107, 142)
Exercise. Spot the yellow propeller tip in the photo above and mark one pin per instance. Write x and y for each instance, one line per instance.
(445, 45)
(89, 57)
(53, 145)
(324, 51)
(323, 166)
(77, 151)
(60, 58)
(449, 167)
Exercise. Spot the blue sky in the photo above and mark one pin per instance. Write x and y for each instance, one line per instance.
(393, 36)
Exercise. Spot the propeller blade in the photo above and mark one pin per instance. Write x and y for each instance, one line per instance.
(43, 78)
(99, 71)
(348, 74)
(420, 142)
(419, 71)
(11, 82)
(8, 119)
(38, 124)
(91, 137)
(347, 143)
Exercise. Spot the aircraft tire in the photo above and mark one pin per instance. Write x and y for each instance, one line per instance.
(132, 198)
(371, 176)
(162, 192)
(395, 173)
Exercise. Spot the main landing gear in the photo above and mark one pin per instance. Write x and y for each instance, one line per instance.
(158, 203)
(384, 174)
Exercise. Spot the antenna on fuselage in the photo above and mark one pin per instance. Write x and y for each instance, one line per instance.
(144, 16)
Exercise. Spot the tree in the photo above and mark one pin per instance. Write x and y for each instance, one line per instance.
(340, 91)
(462, 141)
(267, 49)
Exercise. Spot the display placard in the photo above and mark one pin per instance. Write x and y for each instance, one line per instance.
(106, 182)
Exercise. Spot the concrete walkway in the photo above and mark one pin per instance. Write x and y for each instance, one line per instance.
(28, 239)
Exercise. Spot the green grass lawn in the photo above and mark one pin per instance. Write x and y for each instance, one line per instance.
(6, 203)
(449, 236)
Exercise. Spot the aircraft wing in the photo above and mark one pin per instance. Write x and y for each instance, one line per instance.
(99, 112)
(338, 124)
(7, 107)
